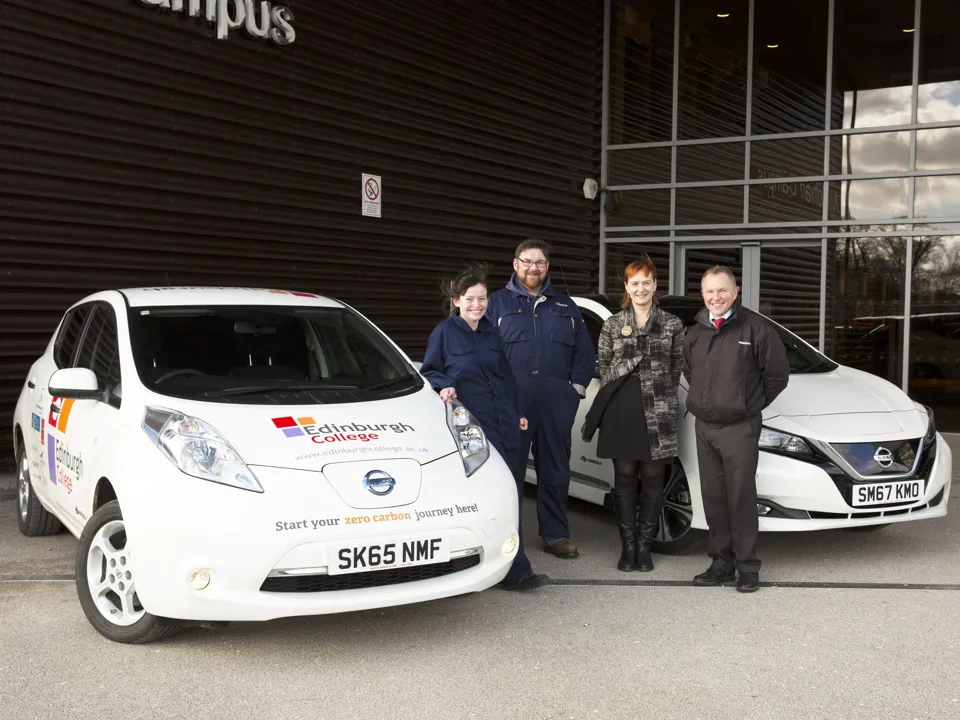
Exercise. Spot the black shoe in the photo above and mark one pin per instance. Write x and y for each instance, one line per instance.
(530, 582)
(625, 505)
(714, 576)
(748, 582)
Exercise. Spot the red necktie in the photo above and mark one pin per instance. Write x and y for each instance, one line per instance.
(717, 322)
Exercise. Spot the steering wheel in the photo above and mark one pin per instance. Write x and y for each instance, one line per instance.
(175, 373)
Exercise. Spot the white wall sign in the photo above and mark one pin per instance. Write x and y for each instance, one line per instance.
(371, 195)
(275, 22)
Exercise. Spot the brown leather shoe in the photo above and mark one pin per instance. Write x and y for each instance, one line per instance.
(562, 549)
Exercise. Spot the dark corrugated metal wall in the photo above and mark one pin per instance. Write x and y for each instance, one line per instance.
(137, 149)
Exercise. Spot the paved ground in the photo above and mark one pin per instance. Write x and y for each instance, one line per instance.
(579, 649)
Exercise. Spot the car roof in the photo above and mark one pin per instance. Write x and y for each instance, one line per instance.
(174, 296)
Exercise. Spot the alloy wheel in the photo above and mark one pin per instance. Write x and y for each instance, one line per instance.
(23, 488)
(110, 576)
(676, 515)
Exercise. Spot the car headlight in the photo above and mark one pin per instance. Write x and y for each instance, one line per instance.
(782, 442)
(931, 434)
(467, 433)
(197, 449)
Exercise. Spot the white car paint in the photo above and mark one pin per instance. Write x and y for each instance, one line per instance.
(842, 406)
(313, 494)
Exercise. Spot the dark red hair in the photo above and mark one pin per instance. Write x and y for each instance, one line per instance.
(643, 265)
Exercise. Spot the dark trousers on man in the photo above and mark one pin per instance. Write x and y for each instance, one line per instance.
(728, 456)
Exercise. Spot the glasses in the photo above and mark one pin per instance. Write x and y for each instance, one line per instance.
(532, 263)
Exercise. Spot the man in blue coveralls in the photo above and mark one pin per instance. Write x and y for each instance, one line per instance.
(553, 359)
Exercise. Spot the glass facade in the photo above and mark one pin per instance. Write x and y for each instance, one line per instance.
(815, 148)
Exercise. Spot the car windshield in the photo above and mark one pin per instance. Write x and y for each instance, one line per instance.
(803, 359)
(276, 355)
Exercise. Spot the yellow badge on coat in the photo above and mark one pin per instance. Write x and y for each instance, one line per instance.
(627, 330)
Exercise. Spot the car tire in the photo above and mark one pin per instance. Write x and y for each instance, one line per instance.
(674, 533)
(106, 584)
(869, 528)
(33, 519)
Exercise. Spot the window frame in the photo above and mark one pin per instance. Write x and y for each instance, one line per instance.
(109, 388)
(61, 332)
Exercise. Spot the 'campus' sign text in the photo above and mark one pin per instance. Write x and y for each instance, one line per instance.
(260, 19)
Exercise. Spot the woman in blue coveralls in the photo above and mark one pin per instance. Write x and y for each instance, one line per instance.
(464, 361)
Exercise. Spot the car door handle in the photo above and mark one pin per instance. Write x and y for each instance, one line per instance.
(31, 384)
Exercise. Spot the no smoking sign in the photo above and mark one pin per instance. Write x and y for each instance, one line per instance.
(371, 195)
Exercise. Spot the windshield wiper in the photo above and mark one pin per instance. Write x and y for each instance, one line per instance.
(388, 383)
(256, 389)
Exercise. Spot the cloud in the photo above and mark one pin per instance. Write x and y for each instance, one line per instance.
(872, 200)
(938, 149)
(886, 106)
(939, 102)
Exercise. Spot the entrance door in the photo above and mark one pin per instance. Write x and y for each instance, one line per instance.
(778, 278)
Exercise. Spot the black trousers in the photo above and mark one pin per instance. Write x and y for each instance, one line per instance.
(728, 456)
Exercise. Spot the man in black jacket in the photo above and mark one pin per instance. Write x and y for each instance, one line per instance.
(736, 365)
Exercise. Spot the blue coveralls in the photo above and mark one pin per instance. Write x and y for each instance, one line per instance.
(549, 349)
(474, 365)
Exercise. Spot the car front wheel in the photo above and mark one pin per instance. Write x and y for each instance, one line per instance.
(106, 578)
(675, 534)
(33, 518)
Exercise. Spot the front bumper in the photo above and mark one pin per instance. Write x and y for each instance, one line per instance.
(806, 496)
(266, 556)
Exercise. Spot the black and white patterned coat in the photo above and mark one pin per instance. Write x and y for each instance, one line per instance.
(654, 353)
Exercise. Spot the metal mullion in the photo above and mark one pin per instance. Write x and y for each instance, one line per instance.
(813, 233)
(892, 174)
(825, 213)
(907, 291)
(791, 223)
(749, 110)
(870, 130)
(671, 285)
(604, 138)
(824, 296)
(770, 236)
(908, 265)
(674, 134)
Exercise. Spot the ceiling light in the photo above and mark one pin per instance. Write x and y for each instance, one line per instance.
(776, 45)
(908, 29)
(723, 15)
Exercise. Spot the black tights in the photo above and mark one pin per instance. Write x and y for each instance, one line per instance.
(652, 476)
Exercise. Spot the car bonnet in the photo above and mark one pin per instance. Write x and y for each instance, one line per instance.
(310, 437)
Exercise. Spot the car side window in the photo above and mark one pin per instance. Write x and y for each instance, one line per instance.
(100, 349)
(65, 346)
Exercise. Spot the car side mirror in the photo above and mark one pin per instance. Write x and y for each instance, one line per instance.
(75, 383)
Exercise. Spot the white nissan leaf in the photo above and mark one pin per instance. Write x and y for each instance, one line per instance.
(240, 454)
(840, 448)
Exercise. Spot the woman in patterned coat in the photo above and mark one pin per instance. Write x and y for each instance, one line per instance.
(639, 356)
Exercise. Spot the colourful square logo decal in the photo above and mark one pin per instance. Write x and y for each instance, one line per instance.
(291, 427)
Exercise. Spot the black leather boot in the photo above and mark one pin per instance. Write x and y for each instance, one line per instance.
(648, 522)
(625, 504)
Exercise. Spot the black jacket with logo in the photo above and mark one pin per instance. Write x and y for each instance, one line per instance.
(735, 372)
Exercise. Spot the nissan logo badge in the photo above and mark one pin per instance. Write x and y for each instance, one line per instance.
(379, 483)
(883, 457)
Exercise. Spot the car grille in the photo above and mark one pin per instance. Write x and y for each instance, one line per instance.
(865, 458)
(845, 483)
(359, 581)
